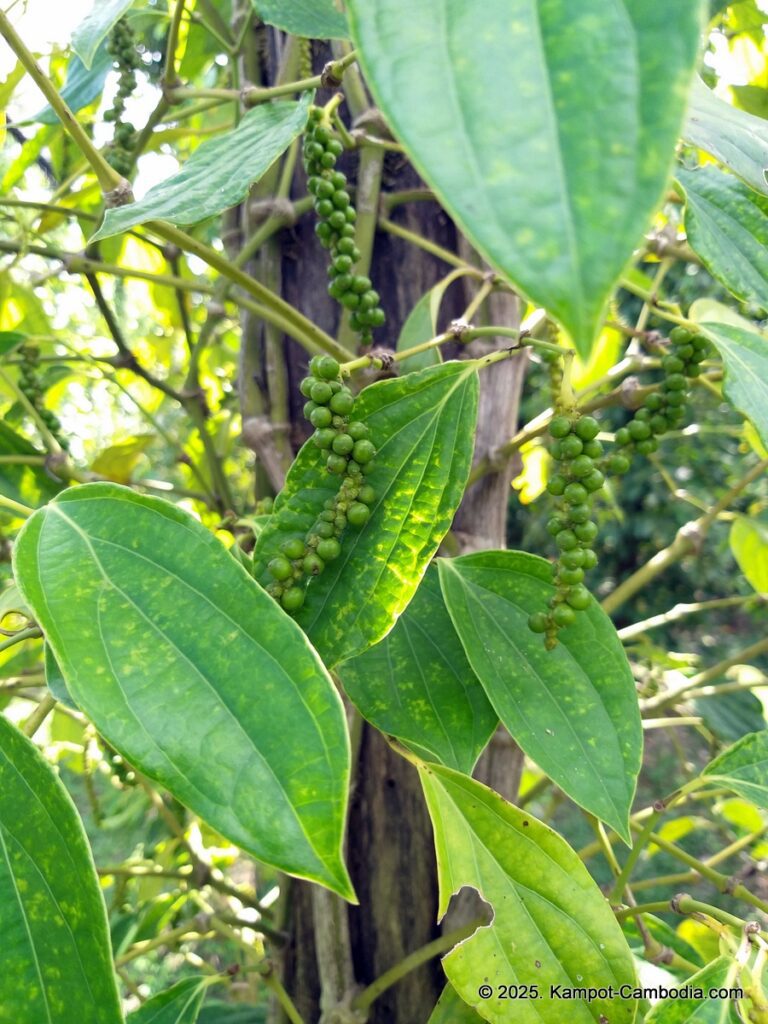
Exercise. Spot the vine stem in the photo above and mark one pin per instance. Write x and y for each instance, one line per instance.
(30, 633)
(39, 715)
(681, 611)
(409, 963)
(638, 846)
(688, 537)
(702, 678)
(16, 506)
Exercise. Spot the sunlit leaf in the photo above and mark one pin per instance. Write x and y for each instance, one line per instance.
(550, 155)
(173, 651)
(82, 85)
(749, 544)
(56, 948)
(417, 685)
(423, 426)
(219, 173)
(451, 1009)
(727, 227)
(743, 768)
(701, 1010)
(573, 709)
(420, 326)
(96, 26)
(737, 139)
(551, 924)
(179, 1004)
(745, 359)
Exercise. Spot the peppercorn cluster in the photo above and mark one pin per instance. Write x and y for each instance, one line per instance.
(349, 454)
(664, 409)
(31, 387)
(576, 449)
(336, 228)
(122, 45)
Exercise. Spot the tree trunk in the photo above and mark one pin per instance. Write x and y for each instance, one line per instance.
(390, 851)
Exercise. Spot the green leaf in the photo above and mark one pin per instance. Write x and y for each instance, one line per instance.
(451, 1009)
(96, 26)
(313, 19)
(82, 85)
(417, 685)
(574, 709)
(420, 326)
(217, 1012)
(699, 1009)
(219, 173)
(30, 485)
(743, 768)
(551, 156)
(727, 226)
(56, 948)
(423, 426)
(11, 602)
(551, 924)
(749, 544)
(745, 361)
(737, 139)
(55, 681)
(10, 340)
(179, 1004)
(730, 715)
(185, 666)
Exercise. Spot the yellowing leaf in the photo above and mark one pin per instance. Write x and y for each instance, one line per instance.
(532, 481)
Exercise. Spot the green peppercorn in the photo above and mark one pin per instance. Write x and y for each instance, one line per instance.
(560, 427)
(343, 402)
(358, 431)
(336, 463)
(293, 549)
(557, 484)
(313, 565)
(363, 452)
(571, 576)
(329, 549)
(594, 481)
(618, 464)
(578, 597)
(321, 417)
(623, 437)
(569, 447)
(566, 540)
(366, 494)
(582, 466)
(587, 428)
(358, 514)
(579, 513)
(280, 568)
(321, 392)
(555, 525)
(324, 438)
(563, 615)
(585, 532)
(293, 599)
(538, 622)
(590, 559)
(343, 444)
(573, 559)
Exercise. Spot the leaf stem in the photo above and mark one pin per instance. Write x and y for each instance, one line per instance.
(420, 956)
(681, 611)
(16, 507)
(30, 633)
(637, 848)
(39, 715)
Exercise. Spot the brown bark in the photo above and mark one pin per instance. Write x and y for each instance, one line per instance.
(390, 849)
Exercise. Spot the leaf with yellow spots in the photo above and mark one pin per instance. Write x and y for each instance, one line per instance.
(551, 924)
(551, 156)
(423, 426)
(184, 665)
(56, 947)
(573, 710)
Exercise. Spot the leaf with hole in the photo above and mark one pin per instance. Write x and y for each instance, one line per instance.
(423, 426)
(727, 227)
(183, 663)
(179, 1004)
(96, 26)
(56, 943)
(219, 173)
(574, 709)
(551, 923)
(417, 685)
(745, 361)
(313, 19)
(552, 160)
(737, 139)
(742, 768)
(749, 544)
